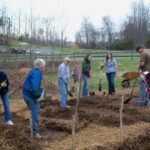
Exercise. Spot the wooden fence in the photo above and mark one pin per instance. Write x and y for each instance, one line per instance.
(6, 57)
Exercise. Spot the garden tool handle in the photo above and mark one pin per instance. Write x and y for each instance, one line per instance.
(135, 82)
(79, 93)
(42, 84)
(91, 84)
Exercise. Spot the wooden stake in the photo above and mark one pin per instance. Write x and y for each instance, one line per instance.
(77, 104)
(73, 132)
(0, 109)
(121, 122)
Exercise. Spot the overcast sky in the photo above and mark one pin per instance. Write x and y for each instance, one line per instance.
(74, 10)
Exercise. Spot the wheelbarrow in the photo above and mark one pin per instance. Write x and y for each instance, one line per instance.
(128, 77)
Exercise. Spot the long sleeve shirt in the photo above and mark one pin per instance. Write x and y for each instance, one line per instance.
(33, 82)
(110, 65)
(86, 67)
(63, 72)
(3, 77)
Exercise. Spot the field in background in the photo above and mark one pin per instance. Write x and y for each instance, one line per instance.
(125, 64)
(127, 61)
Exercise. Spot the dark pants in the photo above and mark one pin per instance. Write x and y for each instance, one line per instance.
(111, 82)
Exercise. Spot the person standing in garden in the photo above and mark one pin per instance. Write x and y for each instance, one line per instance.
(144, 66)
(76, 78)
(110, 65)
(32, 92)
(4, 93)
(63, 80)
(86, 73)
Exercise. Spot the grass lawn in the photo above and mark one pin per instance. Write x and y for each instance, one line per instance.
(125, 64)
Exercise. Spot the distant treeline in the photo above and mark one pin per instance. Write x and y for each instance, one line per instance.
(43, 30)
(135, 29)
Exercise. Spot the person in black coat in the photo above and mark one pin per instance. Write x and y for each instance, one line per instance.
(4, 90)
(86, 73)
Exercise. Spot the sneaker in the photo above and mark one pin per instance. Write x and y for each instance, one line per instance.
(38, 136)
(67, 106)
(10, 123)
(110, 95)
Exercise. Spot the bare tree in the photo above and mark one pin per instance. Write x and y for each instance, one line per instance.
(136, 27)
(87, 36)
(108, 28)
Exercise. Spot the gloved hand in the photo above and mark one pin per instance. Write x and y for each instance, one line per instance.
(3, 84)
(66, 82)
(101, 66)
(42, 96)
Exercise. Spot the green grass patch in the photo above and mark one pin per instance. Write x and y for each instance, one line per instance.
(125, 64)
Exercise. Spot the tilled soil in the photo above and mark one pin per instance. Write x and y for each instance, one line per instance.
(55, 124)
(98, 110)
(15, 137)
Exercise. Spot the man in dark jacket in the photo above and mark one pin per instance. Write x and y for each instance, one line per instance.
(4, 83)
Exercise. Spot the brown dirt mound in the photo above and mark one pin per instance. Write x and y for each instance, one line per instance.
(51, 88)
(16, 79)
(138, 143)
(12, 138)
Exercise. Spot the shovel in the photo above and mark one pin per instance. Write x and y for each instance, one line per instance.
(100, 79)
(91, 92)
(68, 91)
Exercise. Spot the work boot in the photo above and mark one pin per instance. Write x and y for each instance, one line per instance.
(37, 136)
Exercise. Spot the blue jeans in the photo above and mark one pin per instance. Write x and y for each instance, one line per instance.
(143, 100)
(63, 92)
(85, 86)
(111, 82)
(35, 110)
(5, 100)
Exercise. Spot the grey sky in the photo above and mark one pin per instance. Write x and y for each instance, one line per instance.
(74, 10)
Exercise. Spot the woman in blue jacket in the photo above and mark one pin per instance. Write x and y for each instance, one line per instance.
(32, 91)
